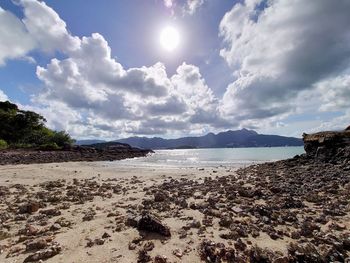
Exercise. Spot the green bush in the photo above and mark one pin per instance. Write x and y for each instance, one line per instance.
(61, 138)
(26, 129)
(3, 144)
(21, 145)
(49, 147)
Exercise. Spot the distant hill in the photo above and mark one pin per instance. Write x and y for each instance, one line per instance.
(88, 142)
(228, 139)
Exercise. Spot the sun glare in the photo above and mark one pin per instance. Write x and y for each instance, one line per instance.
(169, 38)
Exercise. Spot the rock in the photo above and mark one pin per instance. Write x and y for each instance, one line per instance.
(63, 222)
(257, 254)
(99, 241)
(328, 146)
(51, 212)
(161, 196)
(240, 245)
(29, 230)
(307, 228)
(89, 216)
(36, 244)
(44, 254)
(160, 259)
(290, 202)
(143, 256)
(178, 253)
(182, 233)
(149, 245)
(132, 220)
(210, 251)
(96, 241)
(55, 227)
(106, 235)
(152, 224)
(195, 224)
(225, 221)
(29, 208)
(132, 246)
(305, 252)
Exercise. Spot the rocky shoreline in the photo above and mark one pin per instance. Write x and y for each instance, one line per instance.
(71, 154)
(296, 210)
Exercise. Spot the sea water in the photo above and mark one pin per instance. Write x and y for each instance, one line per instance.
(213, 157)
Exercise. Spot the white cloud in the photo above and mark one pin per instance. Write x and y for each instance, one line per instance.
(187, 7)
(3, 96)
(193, 5)
(335, 93)
(277, 52)
(168, 3)
(41, 28)
(89, 92)
(15, 40)
(46, 27)
(94, 83)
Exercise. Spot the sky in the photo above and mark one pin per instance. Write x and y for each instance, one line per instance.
(112, 69)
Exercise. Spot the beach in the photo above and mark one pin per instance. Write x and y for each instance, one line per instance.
(74, 238)
(90, 212)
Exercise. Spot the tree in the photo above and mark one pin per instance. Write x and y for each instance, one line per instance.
(28, 127)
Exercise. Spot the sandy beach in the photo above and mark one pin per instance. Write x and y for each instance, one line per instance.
(81, 212)
(74, 238)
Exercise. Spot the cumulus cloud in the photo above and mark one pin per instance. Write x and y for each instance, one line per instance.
(335, 93)
(280, 49)
(88, 92)
(188, 7)
(41, 28)
(46, 28)
(15, 40)
(3, 96)
(193, 5)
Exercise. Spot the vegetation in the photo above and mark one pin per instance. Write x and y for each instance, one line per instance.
(26, 129)
(3, 144)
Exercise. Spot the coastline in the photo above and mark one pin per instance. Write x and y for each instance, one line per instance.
(72, 154)
(257, 211)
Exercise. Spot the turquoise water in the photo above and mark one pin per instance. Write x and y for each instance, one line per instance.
(214, 156)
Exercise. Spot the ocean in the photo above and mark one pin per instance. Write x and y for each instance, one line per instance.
(213, 157)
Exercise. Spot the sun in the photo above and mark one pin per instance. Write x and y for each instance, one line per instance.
(169, 38)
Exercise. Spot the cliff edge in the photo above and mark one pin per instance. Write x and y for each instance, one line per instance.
(329, 146)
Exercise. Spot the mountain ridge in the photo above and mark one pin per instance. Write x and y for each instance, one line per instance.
(227, 139)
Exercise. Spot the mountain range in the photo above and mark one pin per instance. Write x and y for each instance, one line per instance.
(227, 139)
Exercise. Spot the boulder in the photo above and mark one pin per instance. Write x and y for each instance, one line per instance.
(150, 223)
(329, 146)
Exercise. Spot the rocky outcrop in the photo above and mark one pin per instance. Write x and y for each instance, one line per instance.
(71, 154)
(329, 146)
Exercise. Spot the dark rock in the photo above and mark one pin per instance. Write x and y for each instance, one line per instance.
(29, 208)
(160, 259)
(44, 254)
(51, 212)
(36, 244)
(148, 246)
(143, 256)
(161, 196)
(215, 252)
(106, 235)
(152, 224)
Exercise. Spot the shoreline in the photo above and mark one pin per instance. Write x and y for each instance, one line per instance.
(83, 210)
(75, 154)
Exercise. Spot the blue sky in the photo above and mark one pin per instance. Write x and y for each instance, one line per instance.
(99, 71)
